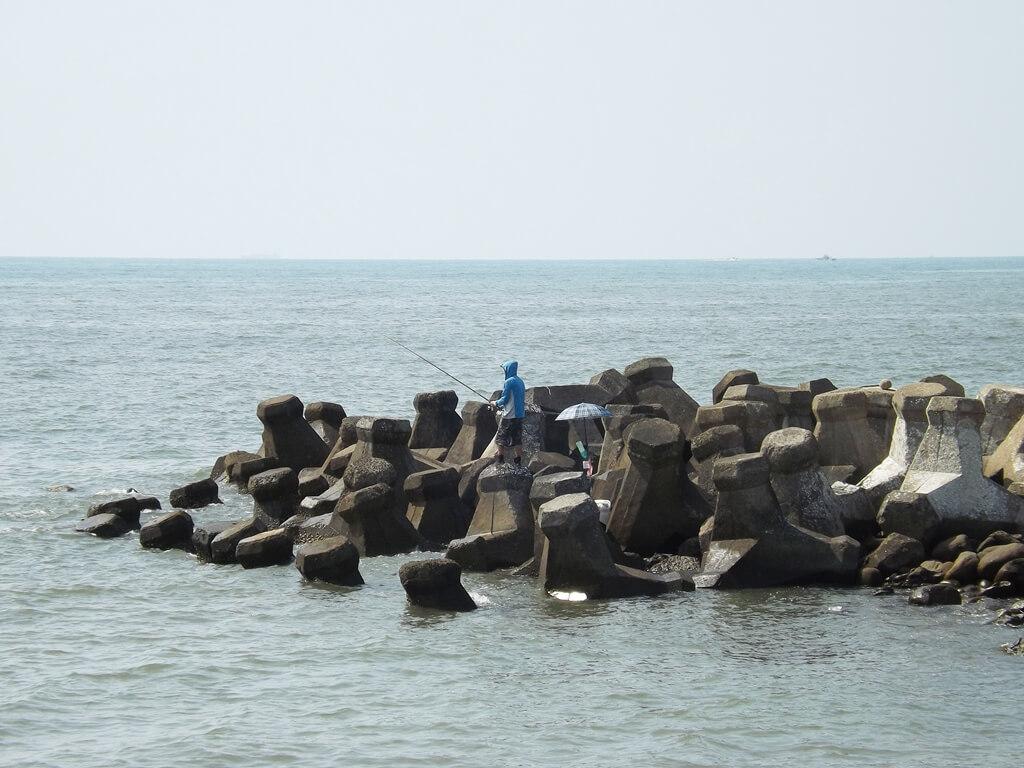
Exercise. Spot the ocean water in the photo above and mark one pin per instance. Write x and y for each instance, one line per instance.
(139, 373)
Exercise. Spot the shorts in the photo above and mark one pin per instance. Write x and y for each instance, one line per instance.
(510, 433)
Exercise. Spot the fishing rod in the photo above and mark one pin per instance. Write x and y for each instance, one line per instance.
(485, 398)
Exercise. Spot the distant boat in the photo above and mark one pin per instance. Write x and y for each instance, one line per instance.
(826, 257)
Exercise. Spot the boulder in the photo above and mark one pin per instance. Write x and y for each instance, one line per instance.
(334, 560)
(478, 429)
(203, 536)
(500, 535)
(264, 549)
(437, 425)
(221, 471)
(195, 495)
(754, 419)
(656, 507)
(105, 525)
(275, 496)
(369, 471)
(870, 577)
(909, 405)
(1012, 573)
(618, 389)
(128, 508)
(947, 469)
(169, 531)
(953, 388)
(369, 519)
(843, 433)
(576, 557)
(951, 548)
(651, 377)
(895, 553)
(1004, 407)
(911, 514)
(1006, 464)
(615, 426)
(222, 548)
(754, 545)
(964, 569)
(935, 594)
(287, 436)
(803, 493)
(435, 584)
(435, 509)
(325, 419)
(732, 379)
(990, 560)
(998, 537)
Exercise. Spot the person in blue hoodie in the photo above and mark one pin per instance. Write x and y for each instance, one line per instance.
(512, 407)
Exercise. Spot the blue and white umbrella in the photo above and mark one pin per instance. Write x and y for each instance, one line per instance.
(583, 411)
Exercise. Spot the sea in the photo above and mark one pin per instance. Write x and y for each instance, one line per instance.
(121, 374)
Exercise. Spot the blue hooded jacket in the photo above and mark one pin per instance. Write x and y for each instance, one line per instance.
(514, 389)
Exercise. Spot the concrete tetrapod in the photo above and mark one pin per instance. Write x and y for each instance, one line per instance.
(437, 425)
(287, 436)
(500, 534)
(577, 559)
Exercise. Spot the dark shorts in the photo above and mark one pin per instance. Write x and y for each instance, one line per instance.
(510, 433)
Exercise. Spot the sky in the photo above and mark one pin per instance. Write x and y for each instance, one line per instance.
(532, 130)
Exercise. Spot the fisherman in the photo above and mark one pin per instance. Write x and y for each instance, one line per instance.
(513, 408)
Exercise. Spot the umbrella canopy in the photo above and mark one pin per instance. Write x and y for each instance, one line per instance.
(583, 411)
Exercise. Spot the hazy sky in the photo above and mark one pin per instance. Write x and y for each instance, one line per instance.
(511, 130)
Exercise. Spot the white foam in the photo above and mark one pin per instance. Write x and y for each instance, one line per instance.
(570, 597)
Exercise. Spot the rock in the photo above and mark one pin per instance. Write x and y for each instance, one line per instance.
(755, 393)
(732, 379)
(870, 577)
(221, 471)
(325, 419)
(754, 545)
(947, 469)
(369, 471)
(544, 489)
(323, 503)
(195, 495)
(60, 488)
(1014, 649)
(435, 584)
(950, 549)
(754, 419)
(287, 436)
(1006, 464)
(334, 560)
(843, 433)
(388, 439)
(651, 377)
(911, 514)
(1012, 572)
(998, 537)
(953, 388)
(936, 594)
(801, 490)
(577, 559)
(435, 509)
(240, 473)
(910, 404)
(547, 460)
(656, 507)
(500, 535)
(615, 427)
(895, 553)
(1004, 407)
(368, 518)
(264, 549)
(478, 429)
(275, 496)
(437, 425)
(991, 559)
(964, 569)
(885, 384)
(618, 389)
(169, 531)
(312, 482)
(1001, 590)
(203, 536)
(128, 508)
(817, 386)
(709, 446)
(105, 525)
(222, 548)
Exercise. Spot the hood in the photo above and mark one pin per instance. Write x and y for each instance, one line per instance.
(511, 368)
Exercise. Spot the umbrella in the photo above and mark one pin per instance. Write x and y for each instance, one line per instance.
(584, 412)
